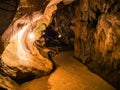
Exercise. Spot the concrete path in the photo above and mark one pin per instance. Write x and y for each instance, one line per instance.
(69, 75)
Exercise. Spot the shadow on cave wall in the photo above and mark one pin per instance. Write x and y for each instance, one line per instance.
(8, 9)
(62, 26)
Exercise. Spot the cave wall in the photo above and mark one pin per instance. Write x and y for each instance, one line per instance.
(29, 6)
(62, 23)
(95, 27)
(7, 11)
(94, 24)
(27, 59)
(27, 10)
(97, 31)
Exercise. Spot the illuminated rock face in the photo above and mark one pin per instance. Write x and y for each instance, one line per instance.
(7, 83)
(21, 66)
(21, 59)
(96, 29)
(97, 26)
(107, 39)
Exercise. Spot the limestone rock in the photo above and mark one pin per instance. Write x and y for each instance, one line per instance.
(84, 30)
(107, 39)
(97, 26)
(21, 58)
(18, 68)
(62, 24)
(7, 83)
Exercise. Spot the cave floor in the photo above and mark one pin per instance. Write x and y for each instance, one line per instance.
(70, 74)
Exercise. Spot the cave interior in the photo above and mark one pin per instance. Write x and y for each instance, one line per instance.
(33, 33)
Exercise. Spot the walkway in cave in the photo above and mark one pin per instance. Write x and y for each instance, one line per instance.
(69, 75)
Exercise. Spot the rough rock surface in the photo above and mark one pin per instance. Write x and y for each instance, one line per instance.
(63, 23)
(21, 59)
(96, 26)
(17, 67)
(97, 31)
(7, 83)
(107, 40)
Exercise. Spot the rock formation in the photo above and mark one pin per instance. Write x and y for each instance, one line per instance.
(97, 31)
(96, 34)
(7, 13)
(21, 59)
(63, 23)
(93, 26)
(7, 83)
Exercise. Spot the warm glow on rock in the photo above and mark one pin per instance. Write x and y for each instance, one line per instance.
(22, 52)
(59, 36)
(31, 36)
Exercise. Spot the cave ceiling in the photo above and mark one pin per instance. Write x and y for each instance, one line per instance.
(8, 9)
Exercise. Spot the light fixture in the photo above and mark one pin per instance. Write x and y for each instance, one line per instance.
(31, 36)
(59, 36)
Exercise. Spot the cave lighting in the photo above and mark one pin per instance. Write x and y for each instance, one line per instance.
(43, 33)
(22, 51)
(31, 36)
(59, 36)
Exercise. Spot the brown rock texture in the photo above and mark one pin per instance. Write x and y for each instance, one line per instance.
(97, 31)
(8, 9)
(96, 26)
(7, 83)
(20, 67)
(21, 59)
(62, 23)
(107, 39)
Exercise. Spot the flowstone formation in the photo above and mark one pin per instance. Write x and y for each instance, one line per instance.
(21, 60)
